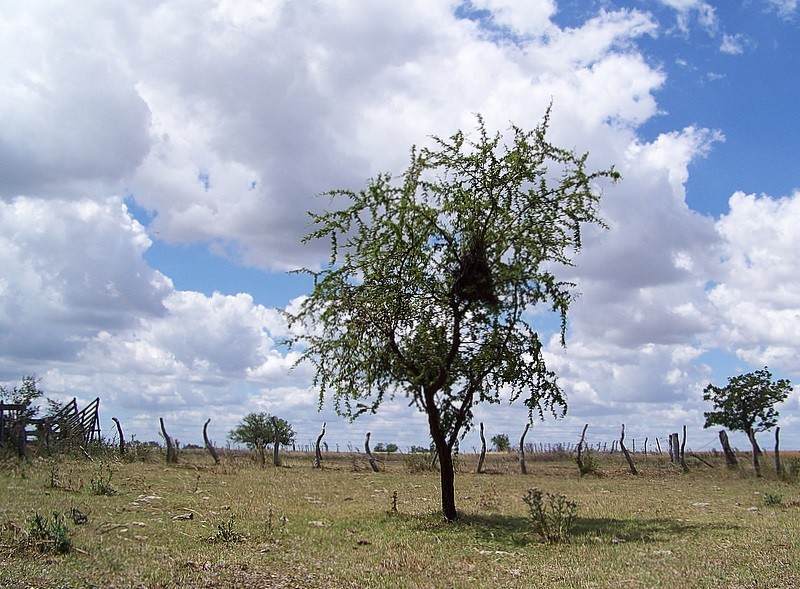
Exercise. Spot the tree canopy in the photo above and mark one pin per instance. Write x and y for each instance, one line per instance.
(747, 402)
(433, 275)
(257, 430)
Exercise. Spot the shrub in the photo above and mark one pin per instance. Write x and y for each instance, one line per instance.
(772, 499)
(552, 515)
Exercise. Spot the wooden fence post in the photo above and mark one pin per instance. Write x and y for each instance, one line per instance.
(121, 436)
(372, 463)
(172, 454)
(523, 469)
(625, 451)
(208, 444)
(317, 451)
(482, 457)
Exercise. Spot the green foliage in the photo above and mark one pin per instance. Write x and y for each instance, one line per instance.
(501, 442)
(747, 402)
(433, 274)
(257, 430)
(552, 517)
(100, 482)
(772, 499)
(49, 534)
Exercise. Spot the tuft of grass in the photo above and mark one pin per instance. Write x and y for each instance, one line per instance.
(49, 534)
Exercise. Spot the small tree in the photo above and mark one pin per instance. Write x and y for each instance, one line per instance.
(746, 404)
(432, 278)
(501, 443)
(256, 431)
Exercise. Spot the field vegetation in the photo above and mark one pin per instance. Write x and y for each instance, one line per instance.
(74, 523)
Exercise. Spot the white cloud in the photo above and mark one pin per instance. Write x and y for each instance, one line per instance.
(223, 118)
(758, 292)
(786, 9)
(704, 12)
(733, 44)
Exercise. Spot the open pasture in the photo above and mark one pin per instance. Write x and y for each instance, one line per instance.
(197, 524)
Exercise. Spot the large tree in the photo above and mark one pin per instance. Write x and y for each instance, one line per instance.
(747, 404)
(433, 276)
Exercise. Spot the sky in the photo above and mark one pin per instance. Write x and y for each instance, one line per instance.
(158, 161)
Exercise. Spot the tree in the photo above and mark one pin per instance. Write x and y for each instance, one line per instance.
(501, 442)
(256, 431)
(432, 277)
(746, 404)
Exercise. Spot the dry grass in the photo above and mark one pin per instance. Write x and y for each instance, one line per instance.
(300, 527)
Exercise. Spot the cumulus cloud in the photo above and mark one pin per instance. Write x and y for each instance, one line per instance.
(222, 120)
(758, 291)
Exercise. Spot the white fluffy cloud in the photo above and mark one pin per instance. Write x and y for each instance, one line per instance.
(759, 292)
(223, 119)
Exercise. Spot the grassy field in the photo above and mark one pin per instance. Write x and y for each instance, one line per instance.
(197, 524)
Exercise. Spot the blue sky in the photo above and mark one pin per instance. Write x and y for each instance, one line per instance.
(157, 163)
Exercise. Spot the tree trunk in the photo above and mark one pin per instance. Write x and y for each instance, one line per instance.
(172, 455)
(317, 451)
(482, 457)
(276, 460)
(448, 480)
(521, 453)
(372, 463)
(121, 436)
(730, 457)
(778, 466)
(756, 451)
(209, 445)
(624, 451)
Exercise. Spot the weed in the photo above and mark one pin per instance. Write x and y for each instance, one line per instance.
(100, 483)
(49, 534)
(772, 499)
(226, 533)
(552, 519)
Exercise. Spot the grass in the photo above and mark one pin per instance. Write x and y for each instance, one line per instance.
(196, 524)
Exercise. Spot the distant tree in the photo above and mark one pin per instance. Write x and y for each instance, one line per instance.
(28, 393)
(256, 431)
(432, 277)
(747, 404)
(501, 443)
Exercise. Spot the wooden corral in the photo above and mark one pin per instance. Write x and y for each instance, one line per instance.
(69, 426)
